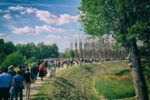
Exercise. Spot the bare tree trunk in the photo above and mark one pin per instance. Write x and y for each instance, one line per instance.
(137, 73)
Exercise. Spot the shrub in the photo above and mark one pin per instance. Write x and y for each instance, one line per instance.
(13, 59)
(31, 60)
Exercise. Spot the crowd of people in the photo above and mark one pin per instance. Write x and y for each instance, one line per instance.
(14, 79)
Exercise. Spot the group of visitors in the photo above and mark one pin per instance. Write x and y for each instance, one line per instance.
(58, 62)
(12, 82)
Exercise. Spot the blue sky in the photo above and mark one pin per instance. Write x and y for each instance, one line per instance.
(48, 21)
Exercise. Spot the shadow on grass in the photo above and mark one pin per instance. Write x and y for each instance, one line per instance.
(87, 68)
(40, 96)
(63, 82)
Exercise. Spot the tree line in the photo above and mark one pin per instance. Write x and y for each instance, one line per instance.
(21, 53)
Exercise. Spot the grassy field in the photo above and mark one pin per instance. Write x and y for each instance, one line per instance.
(113, 87)
(85, 83)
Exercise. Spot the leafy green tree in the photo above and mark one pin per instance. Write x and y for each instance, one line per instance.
(42, 51)
(31, 60)
(67, 54)
(47, 51)
(39, 51)
(13, 59)
(144, 51)
(128, 21)
(9, 48)
(2, 57)
(55, 50)
(29, 50)
(2, 45)
(72, 53)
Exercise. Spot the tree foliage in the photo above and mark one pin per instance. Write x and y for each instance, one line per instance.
(67, 54)
(123, 19)
(7, 48)
(127, 21)
(29, 51)
(39, 51)
(13, 59)
(2, 57)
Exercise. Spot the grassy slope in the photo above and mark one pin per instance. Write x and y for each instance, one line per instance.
(77, 83)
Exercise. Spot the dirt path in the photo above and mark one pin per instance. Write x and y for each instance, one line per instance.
(35, 86)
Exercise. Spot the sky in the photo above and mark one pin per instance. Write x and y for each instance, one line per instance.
(47, 21)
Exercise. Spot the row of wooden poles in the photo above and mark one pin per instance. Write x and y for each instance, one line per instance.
(96, 49)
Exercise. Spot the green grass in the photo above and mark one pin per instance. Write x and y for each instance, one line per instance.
(75, 83)
(120, 72)
(113, 88)
(83, 83)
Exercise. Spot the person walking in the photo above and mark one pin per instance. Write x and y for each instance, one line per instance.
(33, 72)
(42, 71)
(11, 71)
(5, 83)
(28, 81)
(19, 84)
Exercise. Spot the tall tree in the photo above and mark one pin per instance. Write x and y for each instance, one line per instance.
(128, 21)
(13, 59)
(9, 48)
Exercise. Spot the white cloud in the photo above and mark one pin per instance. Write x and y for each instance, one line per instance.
(24, 30)
(50, 18)
(47, 17)
(47, 28)
(7, 16)
(3, 36)
(22, 12)
(37, 29)
(17, 16)
(4, 11)
(31, 10)
(15, 8)
(66, 18)
(53, 36)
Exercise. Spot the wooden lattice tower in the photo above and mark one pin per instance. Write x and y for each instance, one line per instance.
(85, 48)
(97, 49)
(71, 48)
(93, 48)
(80, 47)
(76, 51)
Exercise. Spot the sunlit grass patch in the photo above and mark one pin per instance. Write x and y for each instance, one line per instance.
(113, 88)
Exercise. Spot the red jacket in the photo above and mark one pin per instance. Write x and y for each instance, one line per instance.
(42, 68)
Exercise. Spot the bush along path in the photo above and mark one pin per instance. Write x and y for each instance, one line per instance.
(77, 83)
